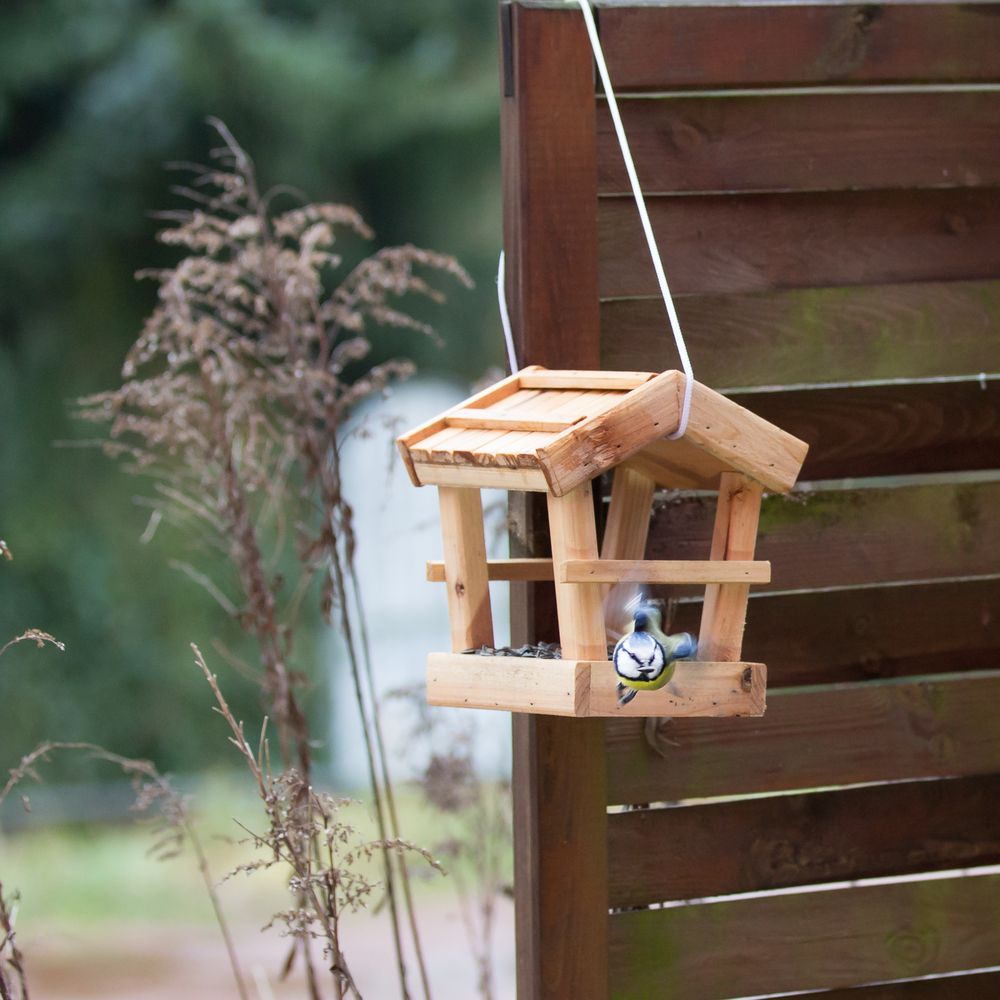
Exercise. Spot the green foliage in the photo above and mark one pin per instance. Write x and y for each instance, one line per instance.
(389, 106)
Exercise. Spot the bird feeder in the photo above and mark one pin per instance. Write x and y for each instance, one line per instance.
(553, 432)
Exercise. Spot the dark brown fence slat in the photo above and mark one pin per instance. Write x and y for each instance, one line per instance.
(794, 941)
(876, 731)
(876, 632)
(663, 47)
(755, 242)
(849, 538)
(890, 429)
(972, 986)
(791, 840)
(924, 140)
(814, 334)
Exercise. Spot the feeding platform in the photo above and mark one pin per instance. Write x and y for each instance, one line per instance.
(554, 432)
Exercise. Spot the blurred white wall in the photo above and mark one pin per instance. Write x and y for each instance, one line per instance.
(398, 530)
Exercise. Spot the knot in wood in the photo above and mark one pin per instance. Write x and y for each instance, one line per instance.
(914, 948)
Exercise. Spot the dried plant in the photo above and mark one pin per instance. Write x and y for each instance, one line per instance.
(477, 822)
(308, 834)
(236, 399)
(171, 822)
(13, 979)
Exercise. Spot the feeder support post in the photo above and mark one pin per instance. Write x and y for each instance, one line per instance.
(627, 527)
(724, 614)
(465, 568)
(573, 532)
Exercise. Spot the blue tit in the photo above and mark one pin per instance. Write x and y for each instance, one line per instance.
(645, 657)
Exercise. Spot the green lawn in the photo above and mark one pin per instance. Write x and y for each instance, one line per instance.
(96, 874)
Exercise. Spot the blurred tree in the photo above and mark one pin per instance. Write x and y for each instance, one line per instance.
(389, 106)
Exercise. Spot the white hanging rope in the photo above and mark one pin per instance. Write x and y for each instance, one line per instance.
(640, 204)
(508, 334)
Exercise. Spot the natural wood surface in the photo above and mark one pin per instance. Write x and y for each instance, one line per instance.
(891, 429)
(742, 440)
(589, 687)
(853, 537)
(754, 242)
(629, 512)
(593, 446)
(749, 143)
(790, 840)
(844, 937)
(970, 986)
(469, 611)
(626, 529)
(550, 237)
(549, 174)
(665, 46)
(697, 689)
(502, 569)
(816, 334)
(580, 379)
(480, 476)
(509, 683)
(574, 536)
(477, 419)
(723, 436)
(875, 632)
(650, 571)
(492, 394)
(734, 536)
(874, 731)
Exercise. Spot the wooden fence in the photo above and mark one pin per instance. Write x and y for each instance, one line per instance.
(825, 183)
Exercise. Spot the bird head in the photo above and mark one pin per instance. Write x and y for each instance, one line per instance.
(647, 616)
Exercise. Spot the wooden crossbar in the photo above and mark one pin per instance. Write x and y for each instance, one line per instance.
(501, 569)
(696, 571)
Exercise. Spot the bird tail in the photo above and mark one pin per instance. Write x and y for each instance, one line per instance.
(625, 695)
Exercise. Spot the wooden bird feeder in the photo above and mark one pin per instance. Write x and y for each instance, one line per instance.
(553, 432)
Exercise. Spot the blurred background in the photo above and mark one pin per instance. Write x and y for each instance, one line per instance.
(391, 107)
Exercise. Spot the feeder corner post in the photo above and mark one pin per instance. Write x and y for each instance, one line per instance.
(734, 536)
(573, 531)
(465, 571)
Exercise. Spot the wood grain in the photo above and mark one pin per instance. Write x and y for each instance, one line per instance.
(892, 429)
(722, 690)
(706, 144)
(666, 47)
(840, 938)
(791, 840)
(869, 732)
(603, 441)
(852, 537)
(550, 237)
(650, 571)
(734, 537)
(970, 986)
(815, 334)
(502, 569)
(549, 175)
(877, 632)
(754, 242)
(469, 611)
(509, 683)
(573, 533)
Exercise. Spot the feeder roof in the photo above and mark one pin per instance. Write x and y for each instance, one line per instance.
(550, 430)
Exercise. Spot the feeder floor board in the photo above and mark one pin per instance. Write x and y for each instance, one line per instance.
(583, 688)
